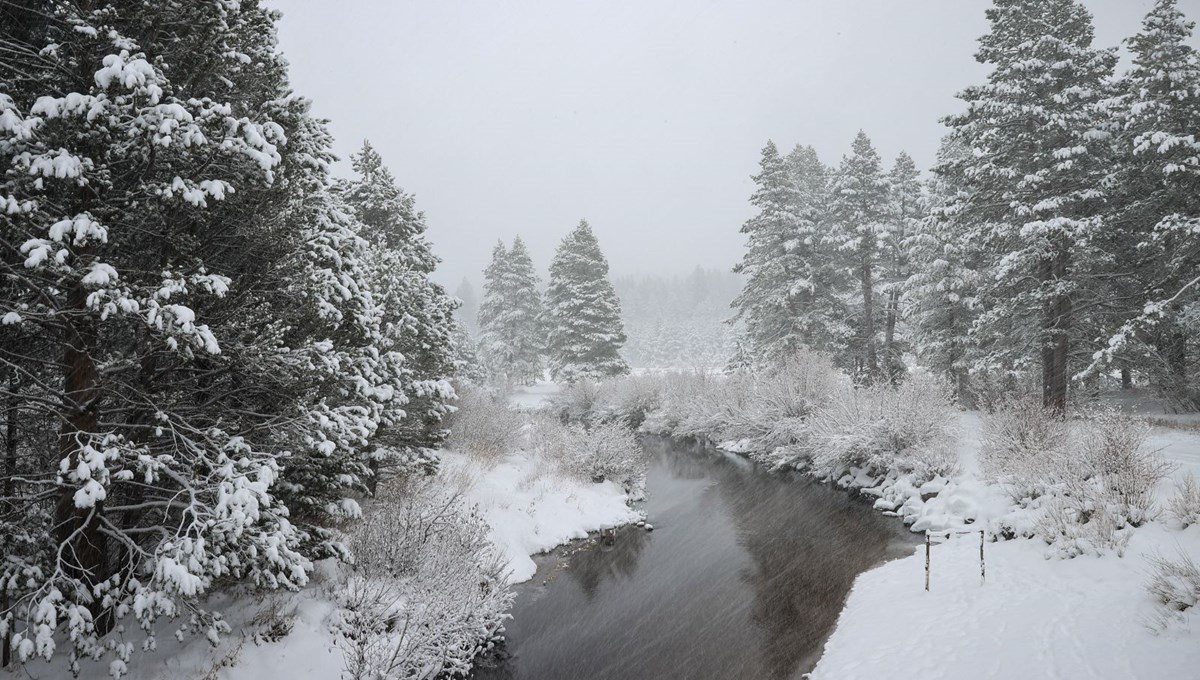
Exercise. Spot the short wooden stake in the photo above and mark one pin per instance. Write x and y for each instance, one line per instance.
(982, 569)
(927, 545)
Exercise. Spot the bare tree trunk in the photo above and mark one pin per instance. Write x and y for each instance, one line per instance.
(868, 293)
(1058, 349)
(1126, 378)
(889, 336)
(79, 528)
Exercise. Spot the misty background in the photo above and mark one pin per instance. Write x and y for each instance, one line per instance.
(645, 118)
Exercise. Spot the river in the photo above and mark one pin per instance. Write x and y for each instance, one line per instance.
(743, 577)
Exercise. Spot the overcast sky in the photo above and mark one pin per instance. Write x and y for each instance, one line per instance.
(646, 117)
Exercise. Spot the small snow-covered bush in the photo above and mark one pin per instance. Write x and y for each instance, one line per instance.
(630, 399)
(1116, 468)
(483, 426)
(605, 451)
(427, 592)
(1175, 585)
(578, 402)
(1023, 444)
(1184, 505)
(608, 451)
(1093, 478)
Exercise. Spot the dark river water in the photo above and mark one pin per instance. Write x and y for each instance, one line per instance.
(743, 577)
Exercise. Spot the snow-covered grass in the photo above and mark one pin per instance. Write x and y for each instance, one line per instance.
(1034, 617)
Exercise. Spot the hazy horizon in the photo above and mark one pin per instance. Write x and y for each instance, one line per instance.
(646, 119)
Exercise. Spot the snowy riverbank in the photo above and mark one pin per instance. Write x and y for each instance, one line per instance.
(530, 509)
(1035, 616)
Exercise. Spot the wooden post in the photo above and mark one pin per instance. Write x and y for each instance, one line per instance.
(982, 569)
(927, 545)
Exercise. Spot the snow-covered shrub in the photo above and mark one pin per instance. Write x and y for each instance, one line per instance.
(483, 426)
(1184, 505)
(578, 402)
(678, 392)
(1023, 444)
(1098, 484)
(630, 399)
(608, 451)
(427, 592)
(906, 430)
(1115, 465)
(605, 451)
(1175, 585)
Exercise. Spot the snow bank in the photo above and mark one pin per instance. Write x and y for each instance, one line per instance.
(532, 508)
(1035, 617)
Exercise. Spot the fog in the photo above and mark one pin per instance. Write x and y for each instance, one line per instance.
(646, 118)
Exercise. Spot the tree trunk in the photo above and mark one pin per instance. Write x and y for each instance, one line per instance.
(868, 325)
(891, 356)
(86, 552)
(1126, 378)
(1055, 355)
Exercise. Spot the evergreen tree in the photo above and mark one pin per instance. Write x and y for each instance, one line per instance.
(215, 343)
(510, 332)
(779, 244)
(583, 314)
(417, 314)
(1034, 179)
(906, 211)
(941, 292)
(859, 222)
(1153, 291)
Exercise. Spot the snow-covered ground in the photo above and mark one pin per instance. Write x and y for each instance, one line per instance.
(1035, 616)
(532, 509)
(535, 395)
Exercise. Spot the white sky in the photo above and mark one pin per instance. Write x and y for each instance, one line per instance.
(644, 116)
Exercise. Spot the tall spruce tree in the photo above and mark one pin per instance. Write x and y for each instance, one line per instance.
(583, 314)
(906, 210)
(511, 339)
(941, 291)
(206, 333)
(772, 264)
(859, 221)
(417, 313)
(1034, 179)
(1154, 292)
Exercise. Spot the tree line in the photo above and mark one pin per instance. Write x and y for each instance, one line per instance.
(1056, 244)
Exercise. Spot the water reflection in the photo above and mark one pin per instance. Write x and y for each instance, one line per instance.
(743, 578)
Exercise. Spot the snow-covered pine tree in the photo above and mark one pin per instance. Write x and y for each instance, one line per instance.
(583, 314)
(773, 262)
(818, 311)
(859, 219)
(1154, 293)
(142, 148)
(511, 340)
(417, 313)
(1035, 179)
(906, 211)
(940, 294)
